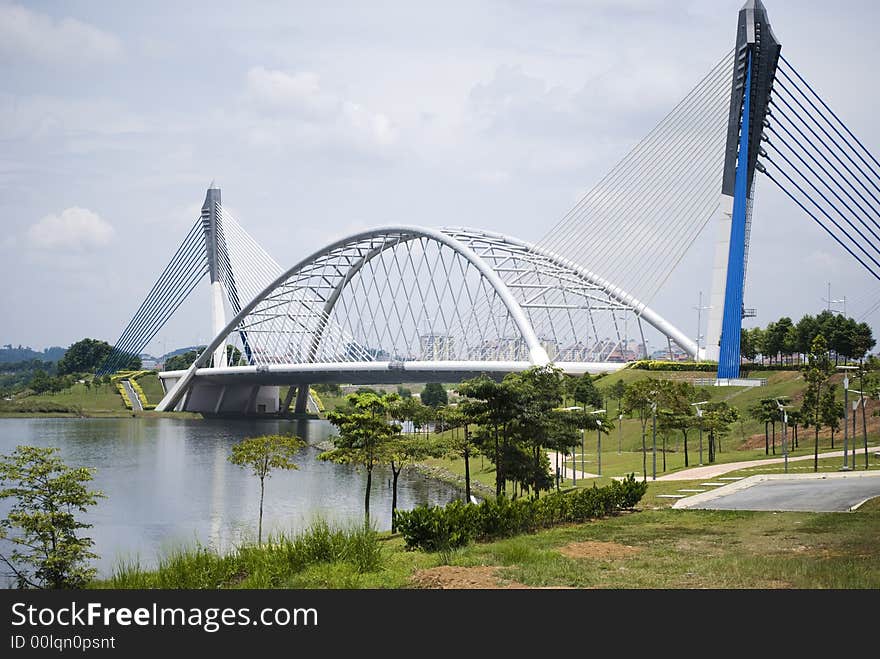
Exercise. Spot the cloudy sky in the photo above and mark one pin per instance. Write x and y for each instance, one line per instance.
(319, 119)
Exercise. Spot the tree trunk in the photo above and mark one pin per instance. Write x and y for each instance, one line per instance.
(467, 475)
(499, 472)
(664, 453)
(260, 524)
(644, 457)
(394, 474)
(685, 449)
(766, 439)
(367, 495)
(773, 445)
(816, 451)
(832, 436)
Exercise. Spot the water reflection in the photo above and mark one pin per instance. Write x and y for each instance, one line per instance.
(168, 482)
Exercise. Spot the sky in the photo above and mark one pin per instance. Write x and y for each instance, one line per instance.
(321, 119)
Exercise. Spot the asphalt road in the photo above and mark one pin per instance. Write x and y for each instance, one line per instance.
(809, 495)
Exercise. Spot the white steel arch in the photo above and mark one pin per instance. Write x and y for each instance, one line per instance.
(295, 320)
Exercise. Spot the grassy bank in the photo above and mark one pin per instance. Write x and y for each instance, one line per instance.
(651, 548)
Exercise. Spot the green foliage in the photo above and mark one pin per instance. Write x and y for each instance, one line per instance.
(434, 395)
(84, 356)
(365, 430)
(41, 524)
(182, 361)
(262, 455)
(271, 565)
(660, 365)
(441, 528)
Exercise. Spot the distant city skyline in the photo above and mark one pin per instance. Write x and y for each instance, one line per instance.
(319, 121)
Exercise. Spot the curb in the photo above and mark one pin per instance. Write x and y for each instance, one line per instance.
(697, 499)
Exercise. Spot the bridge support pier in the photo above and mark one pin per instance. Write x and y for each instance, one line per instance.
(302, 400)
(285, 405)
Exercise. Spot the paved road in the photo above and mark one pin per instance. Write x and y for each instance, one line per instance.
(837, 492)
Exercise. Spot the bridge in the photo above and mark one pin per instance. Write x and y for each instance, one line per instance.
(407, 303)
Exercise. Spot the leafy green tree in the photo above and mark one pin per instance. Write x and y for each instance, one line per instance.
(765, 411)
(402, 450)
(84, 356)
(41, 524)
(262, 455)
(365, 429)
(40, 382)
(717, 418)
(461, 444)
(496, 406)
(640, 398)
(816, 373)
(748, 348)
(434, 395)
(832, 412)
(183, 361)
(584, 392)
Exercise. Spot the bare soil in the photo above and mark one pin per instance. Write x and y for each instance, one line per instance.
(458, 577)
(597, 550)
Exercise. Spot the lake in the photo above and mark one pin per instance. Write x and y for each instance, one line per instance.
(168, 482)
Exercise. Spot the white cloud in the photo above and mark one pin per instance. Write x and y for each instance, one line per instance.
(295, 106)
(75, 229)
(28, 34)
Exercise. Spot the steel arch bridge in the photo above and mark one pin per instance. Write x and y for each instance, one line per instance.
(407, 303)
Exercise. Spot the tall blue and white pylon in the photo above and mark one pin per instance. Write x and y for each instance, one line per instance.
(756, 56)
(213, 238)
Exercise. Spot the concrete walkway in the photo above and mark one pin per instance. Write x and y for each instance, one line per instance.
(705, 472)
(714, 470)
(132, 396)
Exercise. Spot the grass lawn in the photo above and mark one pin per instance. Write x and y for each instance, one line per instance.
(152, 388)
(647, 549)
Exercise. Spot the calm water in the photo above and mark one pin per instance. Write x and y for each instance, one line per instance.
(168, 482)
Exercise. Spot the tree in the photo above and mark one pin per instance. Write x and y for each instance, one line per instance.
(401, 451)
(832, 412)
(765, 411)
(183, 361)
(717, 417)
(495, 405)
(461, 444)
(41, 524)
(364, 431)
(40, 382)
(816, 373)
(84, 356)
(262, 455)
(639, 398)
(584, 392)
(434, 395)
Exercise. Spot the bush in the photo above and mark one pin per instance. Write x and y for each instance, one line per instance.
(441, 528)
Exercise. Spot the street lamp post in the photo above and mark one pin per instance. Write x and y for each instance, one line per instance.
(598, 441)
(654, 441)
(700, 425)
(784, 431)
(846, 420)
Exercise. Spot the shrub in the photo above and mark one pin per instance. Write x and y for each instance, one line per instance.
(441, 528)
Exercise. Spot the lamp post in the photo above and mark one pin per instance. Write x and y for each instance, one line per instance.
(846, 420)
(598, 441)
(700, 425)
(654, 440)
(784, 414)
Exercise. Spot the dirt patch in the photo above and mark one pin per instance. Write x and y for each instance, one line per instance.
(597, 550)
(458, 577)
